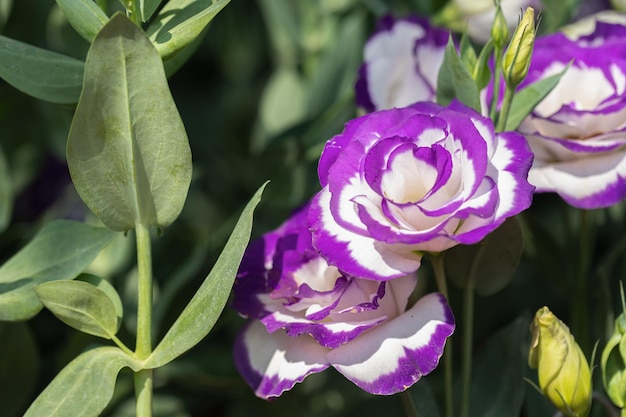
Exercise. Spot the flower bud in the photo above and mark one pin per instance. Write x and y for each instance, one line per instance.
(499, 29)
(518, 55)
(564, 374)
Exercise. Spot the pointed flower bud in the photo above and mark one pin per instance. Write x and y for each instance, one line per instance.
(499, 29)
(518, 55)
(564, 374)
(613, 361)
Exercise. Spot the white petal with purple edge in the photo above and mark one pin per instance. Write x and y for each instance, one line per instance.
(274, 363)
(392, 357)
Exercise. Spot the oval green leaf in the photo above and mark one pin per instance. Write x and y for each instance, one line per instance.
(40, 73)
(84, 387)
(199, 316)
(180, 22)
(127, 150)
(84, 16)
(455, 81)
(80, 305)
(60, 251)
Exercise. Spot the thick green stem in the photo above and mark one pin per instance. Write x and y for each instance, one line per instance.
(440, 277)
(506, 108)
(143, 348)
(468, 331)
(143, 393)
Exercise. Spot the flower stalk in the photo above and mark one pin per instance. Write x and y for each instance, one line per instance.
(143, 348)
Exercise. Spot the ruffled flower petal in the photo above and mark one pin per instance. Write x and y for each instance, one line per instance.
(391, 358)
(274, 363)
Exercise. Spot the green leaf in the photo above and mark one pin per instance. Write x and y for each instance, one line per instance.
(84, 387)
(498, 373)
(60, 251)
(108, 289)
(525, 100)
(6, 193)
(147, 8)
(19, 367)
(127, 150)
(489, 265)
(199, 316)
(455, 81)
(482, 72)
(5, 10)
(80, 305)
(40, 73)
(180, 22)
(84, 16)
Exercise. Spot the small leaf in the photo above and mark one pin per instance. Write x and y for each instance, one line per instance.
(60, 251)
(19, 367)
(482, 72)
(80, 305)
(199, 316)
(108, 289)
(6, 193)
(84, 16)
(180, 22)
(525, 100)
(85, 386)
(40, 73)
(127, 150)
(455, 81)
(489, 265)
(498, 374)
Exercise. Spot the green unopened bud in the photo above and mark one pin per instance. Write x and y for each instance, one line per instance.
(518, 55)
(499, 29)
(564, 375)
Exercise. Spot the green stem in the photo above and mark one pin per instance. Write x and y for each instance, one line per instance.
(143, 393)
(143, 348)
(580, 306)
(103, 5)
(122, 346)
(506, 108)
(440, 277)
(408, 404)
(468, 331)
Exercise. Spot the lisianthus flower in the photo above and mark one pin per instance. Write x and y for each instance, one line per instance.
(401, 182)
(308, 316)
(578, 132)
(402, 61)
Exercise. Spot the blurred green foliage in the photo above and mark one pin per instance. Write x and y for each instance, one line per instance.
(269, 83)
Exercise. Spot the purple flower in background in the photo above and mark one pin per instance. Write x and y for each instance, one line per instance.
(578, 132)
(402, 61)
(309, 316)
(401, 182)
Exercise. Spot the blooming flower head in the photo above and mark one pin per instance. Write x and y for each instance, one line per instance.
(578, 132)
(402, 61)
(401, 182)
(309, 316)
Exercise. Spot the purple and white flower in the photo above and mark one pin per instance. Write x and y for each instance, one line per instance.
(401, 182)
(309, 316)
(402, 61)
(578, 132)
